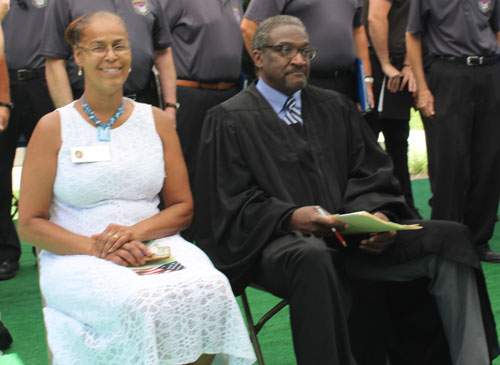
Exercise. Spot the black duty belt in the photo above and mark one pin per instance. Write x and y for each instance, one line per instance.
(26, 74)
(472, 60)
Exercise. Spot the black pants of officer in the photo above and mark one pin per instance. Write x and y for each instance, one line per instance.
(393, 122)
(31, 101)
(396, 133)
(463, 145)
(342, 81)
(194, 103)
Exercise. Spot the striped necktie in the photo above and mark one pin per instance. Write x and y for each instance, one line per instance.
(293, 114)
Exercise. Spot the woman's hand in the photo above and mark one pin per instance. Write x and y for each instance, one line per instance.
(112, 238)
(129, 254)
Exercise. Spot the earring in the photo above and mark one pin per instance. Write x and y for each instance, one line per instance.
(80, 71)
(130, 70)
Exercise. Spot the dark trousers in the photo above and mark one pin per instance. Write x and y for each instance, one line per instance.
(194, 103)
(31, 101)
(396, 133)
(301, 269)
(344, 82)
(309, 273)
(463, 145)
(393, 122)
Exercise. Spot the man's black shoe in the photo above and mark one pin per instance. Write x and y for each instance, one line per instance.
(485, 254)
(8, 269)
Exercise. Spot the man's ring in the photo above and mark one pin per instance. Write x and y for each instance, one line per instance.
(115, 235)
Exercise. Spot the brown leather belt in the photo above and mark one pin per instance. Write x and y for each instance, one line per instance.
(205, 85)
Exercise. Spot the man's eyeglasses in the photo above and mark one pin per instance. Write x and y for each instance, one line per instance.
(289, 51)
(101, 50)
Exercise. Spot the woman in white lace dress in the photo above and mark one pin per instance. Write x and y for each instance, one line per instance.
(89, 198)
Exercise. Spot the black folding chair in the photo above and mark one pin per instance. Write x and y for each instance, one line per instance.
(253, 327)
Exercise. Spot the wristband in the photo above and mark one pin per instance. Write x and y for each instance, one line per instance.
(10, 106)
(172, 105)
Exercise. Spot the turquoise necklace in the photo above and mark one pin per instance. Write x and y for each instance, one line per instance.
(103, 130)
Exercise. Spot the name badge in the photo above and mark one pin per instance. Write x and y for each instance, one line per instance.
(86, 154)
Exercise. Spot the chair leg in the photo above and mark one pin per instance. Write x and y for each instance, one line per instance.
(266, 317)
(251, 328)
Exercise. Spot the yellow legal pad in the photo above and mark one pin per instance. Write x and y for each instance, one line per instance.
(364, 222)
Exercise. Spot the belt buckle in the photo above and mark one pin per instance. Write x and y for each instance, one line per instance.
(22, 74)
(475, 61)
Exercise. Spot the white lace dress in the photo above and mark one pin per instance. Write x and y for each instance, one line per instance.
(98, 312)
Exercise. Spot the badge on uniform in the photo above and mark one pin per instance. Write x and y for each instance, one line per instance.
(84, 154)
(237, 14)
(39, 3)
(484, 5)
(140, 7)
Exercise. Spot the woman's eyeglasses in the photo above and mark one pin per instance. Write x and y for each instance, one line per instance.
(101, 50)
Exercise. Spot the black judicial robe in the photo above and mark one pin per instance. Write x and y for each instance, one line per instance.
(254, 170)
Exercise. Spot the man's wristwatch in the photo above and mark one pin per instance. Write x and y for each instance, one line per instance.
(7, 105)
(171, 105)
(369, 79)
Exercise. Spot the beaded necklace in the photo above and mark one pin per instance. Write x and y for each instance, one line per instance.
(103, 130)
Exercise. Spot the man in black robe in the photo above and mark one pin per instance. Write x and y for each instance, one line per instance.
(267, 162)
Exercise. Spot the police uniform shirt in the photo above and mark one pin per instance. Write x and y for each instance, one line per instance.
(329, 24)
(21, 28)
(146, 26)
(206, 39)
(457, 27)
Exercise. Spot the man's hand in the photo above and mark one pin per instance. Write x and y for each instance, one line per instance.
(425, 103)
(408, 78)
(393, 77)
(129, 254)
(4, 118)
(308, 220)
(378, 242)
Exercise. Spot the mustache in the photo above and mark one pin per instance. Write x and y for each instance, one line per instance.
(297, 69)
